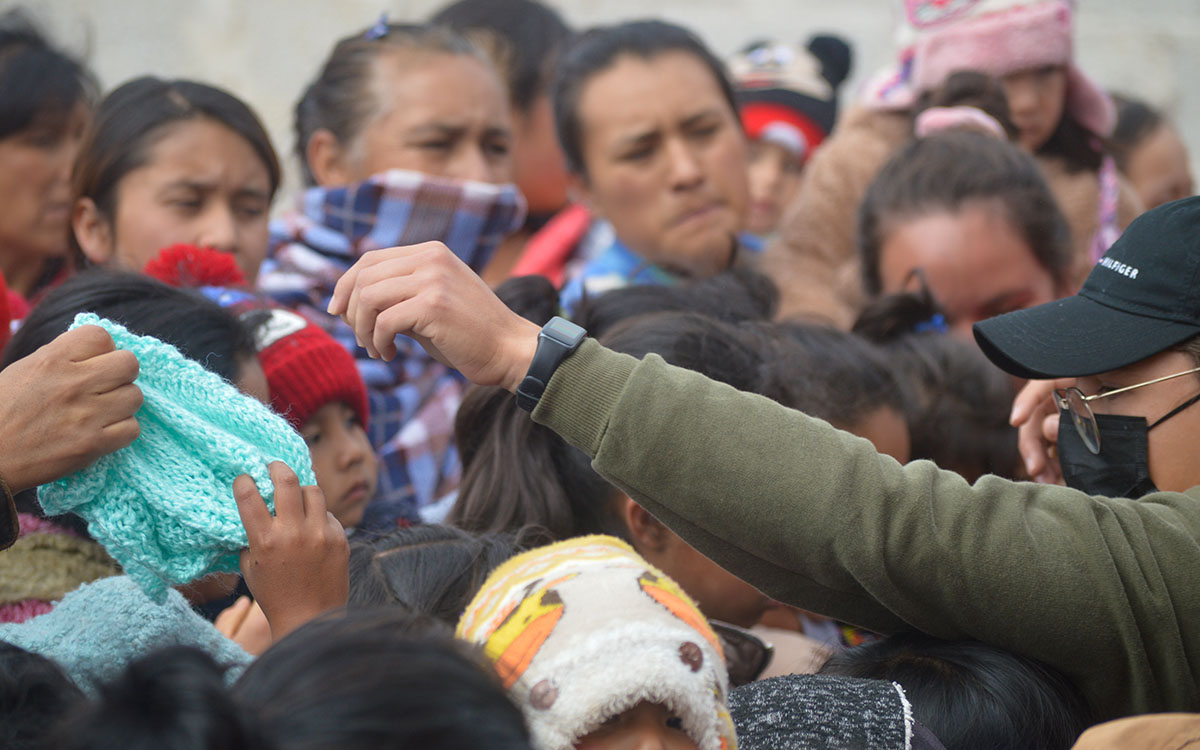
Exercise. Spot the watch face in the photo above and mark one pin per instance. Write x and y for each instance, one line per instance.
(564, 331)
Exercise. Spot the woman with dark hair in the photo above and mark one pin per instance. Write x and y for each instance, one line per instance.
(410, 125)
(973, 218)
(173, 162)
(649, 126)
(45, 102)
(1061, 118)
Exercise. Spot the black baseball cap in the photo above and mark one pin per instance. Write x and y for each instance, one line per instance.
(1141, 298)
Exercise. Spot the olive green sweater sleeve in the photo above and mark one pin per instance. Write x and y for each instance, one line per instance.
(1103, 589)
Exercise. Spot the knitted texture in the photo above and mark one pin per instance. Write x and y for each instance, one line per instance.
(99, 628)
(803, 711)
(163, 507)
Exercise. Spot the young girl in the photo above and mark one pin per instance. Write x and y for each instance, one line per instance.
(410, 124)
(171, 162)
(1150, 153)
(1061, 118)
(975, 217)
(788, 101)
(601, 650)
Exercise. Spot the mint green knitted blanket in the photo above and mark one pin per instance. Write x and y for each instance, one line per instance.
(163, 507)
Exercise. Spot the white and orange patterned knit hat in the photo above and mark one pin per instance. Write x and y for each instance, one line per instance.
(585, 629)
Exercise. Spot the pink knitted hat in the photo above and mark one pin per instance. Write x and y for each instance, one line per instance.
(996, 37)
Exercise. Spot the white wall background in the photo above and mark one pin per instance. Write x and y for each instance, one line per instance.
(266, 50)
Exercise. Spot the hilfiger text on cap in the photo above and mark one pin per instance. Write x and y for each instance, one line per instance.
(1119, 267)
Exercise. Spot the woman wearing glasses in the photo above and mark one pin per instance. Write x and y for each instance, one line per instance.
(1103, 589)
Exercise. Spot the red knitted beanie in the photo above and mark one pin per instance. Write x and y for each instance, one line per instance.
(306, 368)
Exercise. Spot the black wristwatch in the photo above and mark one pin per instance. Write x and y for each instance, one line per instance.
(558, 340)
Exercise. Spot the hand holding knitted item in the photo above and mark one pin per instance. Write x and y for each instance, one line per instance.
(297, 564)
(90, 386)
(163, 506)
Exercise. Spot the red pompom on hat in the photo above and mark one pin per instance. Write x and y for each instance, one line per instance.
(190, 266)
(306, 367)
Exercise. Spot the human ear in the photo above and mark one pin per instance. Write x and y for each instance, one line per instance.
(328, 160)
(93, 231)
(579, 190)
(650, 537)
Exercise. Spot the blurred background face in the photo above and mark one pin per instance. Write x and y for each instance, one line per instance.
(775, 175)
(976, 263)
(665, 160)
(201, 184)
(1158, 168)
(35, 189)
(440, 114)
(1035, 101)
(538, 165)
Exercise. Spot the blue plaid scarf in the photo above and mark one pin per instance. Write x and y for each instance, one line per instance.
(413, 398)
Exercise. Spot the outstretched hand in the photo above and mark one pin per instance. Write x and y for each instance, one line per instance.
(297, 561)
(1035, 416)
(66, 405)
(425, 292)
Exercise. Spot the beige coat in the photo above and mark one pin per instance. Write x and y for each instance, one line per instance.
(815, 258)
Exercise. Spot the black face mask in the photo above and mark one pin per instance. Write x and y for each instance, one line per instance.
(1120, 470)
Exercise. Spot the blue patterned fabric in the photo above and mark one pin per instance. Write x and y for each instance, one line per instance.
(413, 398)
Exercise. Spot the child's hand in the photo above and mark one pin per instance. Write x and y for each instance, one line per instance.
(244, 623)
(298, 560)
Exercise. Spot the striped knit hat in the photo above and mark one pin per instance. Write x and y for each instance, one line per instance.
(585, 629)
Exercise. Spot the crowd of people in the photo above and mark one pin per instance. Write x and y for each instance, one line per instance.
(600, 393)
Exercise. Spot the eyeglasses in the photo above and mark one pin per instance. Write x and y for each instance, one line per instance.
(746, 655)
(1072, 401)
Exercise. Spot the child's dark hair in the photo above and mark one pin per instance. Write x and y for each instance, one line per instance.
(35, 695)
(596, 50)
(968, 88)
(342, 99)
(200, 329)
(526, 36)
(378, 679)
(358, 681)
(133, 118)
(430, 569)
(1136, 121)
(736, 295)
(971, 695)
(173, 699)
(519, 475)
(39, 85)
(949, 171)
(958, 402)
(1080, 149)
(830, 374)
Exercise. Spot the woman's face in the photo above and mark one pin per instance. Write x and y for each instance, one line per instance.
(645, 726)
(1171, 445)
(201, 184)
(441, 114)
(976, 263)
(775, 176)
(1158, 168)
(665, 160)
(1036, 99)
(35, 185)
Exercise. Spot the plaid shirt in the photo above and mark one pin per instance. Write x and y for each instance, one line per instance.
(413, 398)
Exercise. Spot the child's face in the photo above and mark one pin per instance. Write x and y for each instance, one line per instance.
(346, 467)
(775, 175)
(646, 726)
(1036, 99)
